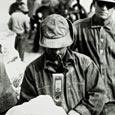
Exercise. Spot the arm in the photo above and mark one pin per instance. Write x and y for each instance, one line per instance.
(93, 102)
(28, 90)
(75, 38)
(27, 24)
(10, 23)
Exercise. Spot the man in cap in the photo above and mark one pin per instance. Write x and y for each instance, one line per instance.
(95, 37)
(71, 79)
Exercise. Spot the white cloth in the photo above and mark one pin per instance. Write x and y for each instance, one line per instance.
(15, 68)
(41, 105)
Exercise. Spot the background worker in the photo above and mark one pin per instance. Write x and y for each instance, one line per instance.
(95, 38)
(19, 23)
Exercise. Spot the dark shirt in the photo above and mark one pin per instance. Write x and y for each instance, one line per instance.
(98, 42)
(45, 11)
(13, 7)
(83, 85)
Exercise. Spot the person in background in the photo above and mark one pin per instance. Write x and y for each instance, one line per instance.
(14, 6)
(76, 11)
(95, 37)
(71, 79)
(33, 5)
(19, 23)
(8, 97)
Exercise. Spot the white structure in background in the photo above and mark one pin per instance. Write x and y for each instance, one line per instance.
(86, 4)
(14, 66)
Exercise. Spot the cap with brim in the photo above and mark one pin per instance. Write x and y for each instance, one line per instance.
(113, 1)
(56, 32)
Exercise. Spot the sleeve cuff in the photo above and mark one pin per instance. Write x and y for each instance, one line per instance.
(73, 112)
(82, 110)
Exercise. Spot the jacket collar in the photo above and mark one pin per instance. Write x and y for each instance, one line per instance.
(96, 23)
(67, 59)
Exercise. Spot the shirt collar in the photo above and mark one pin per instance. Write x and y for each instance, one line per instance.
(95, 23)
(67, 59)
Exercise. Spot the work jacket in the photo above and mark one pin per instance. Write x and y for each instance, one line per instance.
(83, 87)
(98, 42)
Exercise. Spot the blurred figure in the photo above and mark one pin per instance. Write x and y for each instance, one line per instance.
(47, 8)
(63, 7)
(8, 97)
(33, 5)
(76, 11)
(71, 9)
(19, 23)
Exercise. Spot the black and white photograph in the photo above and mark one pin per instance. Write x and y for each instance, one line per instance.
(57, 57)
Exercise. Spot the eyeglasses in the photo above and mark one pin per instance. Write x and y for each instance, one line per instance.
(109, 5)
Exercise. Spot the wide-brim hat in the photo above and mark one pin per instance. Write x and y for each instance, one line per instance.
(56, 32)
(113, 1)
(45, 2)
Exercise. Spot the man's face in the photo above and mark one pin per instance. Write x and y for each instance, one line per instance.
(56, 53)
(104, 9)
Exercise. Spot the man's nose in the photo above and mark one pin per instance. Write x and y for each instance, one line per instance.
(104, 7)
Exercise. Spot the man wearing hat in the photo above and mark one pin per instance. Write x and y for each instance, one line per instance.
(71, 79)
(95, 37)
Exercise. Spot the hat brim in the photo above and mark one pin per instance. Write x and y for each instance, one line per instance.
(113, 1)
(58, 43)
